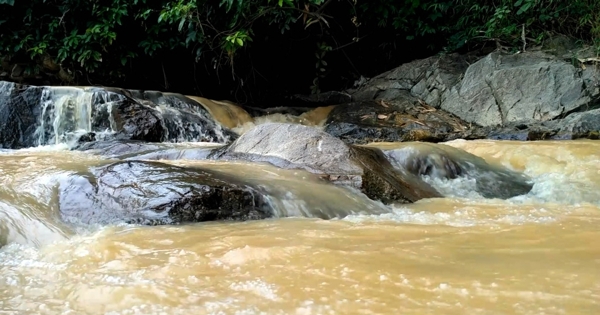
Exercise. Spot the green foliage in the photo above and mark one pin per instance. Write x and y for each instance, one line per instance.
(472, 21)
(97, 37)
(513, 21)
(320, 66)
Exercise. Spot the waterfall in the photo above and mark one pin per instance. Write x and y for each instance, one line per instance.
(67, 113)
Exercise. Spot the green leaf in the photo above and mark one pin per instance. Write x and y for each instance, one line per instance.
(97, 56)
(524, 8)
(9, 2)
(239, 41)
(181, 24)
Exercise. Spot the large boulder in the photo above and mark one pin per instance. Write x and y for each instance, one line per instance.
(500, 89)
(155, 193)
(300, 147)
(403, 119)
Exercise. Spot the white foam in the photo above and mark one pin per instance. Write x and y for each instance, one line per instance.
(466, 215)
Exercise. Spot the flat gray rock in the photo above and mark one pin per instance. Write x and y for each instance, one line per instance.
(293, 146)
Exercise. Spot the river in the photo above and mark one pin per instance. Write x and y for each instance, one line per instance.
(462, 254)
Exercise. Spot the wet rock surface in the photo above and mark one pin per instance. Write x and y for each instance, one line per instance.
(138, 121)
(381, 181)
(129, 149)
(300, 147)
(156, 117)
(118, 148)
(19, 112)
(155, 193)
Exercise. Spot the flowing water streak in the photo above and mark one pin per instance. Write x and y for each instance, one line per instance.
(535, 254)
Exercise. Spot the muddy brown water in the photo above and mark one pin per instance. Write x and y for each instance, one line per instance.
(532, 254)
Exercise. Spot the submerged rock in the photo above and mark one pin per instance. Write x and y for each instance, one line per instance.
(438, 161)
(128, 149)
(301, 147)
(118, 148)
(156, 193)
(403, 119)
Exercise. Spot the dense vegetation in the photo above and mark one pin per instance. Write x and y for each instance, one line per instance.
(256, 47)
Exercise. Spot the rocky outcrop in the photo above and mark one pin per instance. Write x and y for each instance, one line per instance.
(51, 115)
(403, 119)
(300, 147)
(155, 193)
(500, 96)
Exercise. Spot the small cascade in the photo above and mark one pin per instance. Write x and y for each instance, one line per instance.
(316, 117)
(226, 113)
(68, 113)
(454, 172)
(186, 121)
